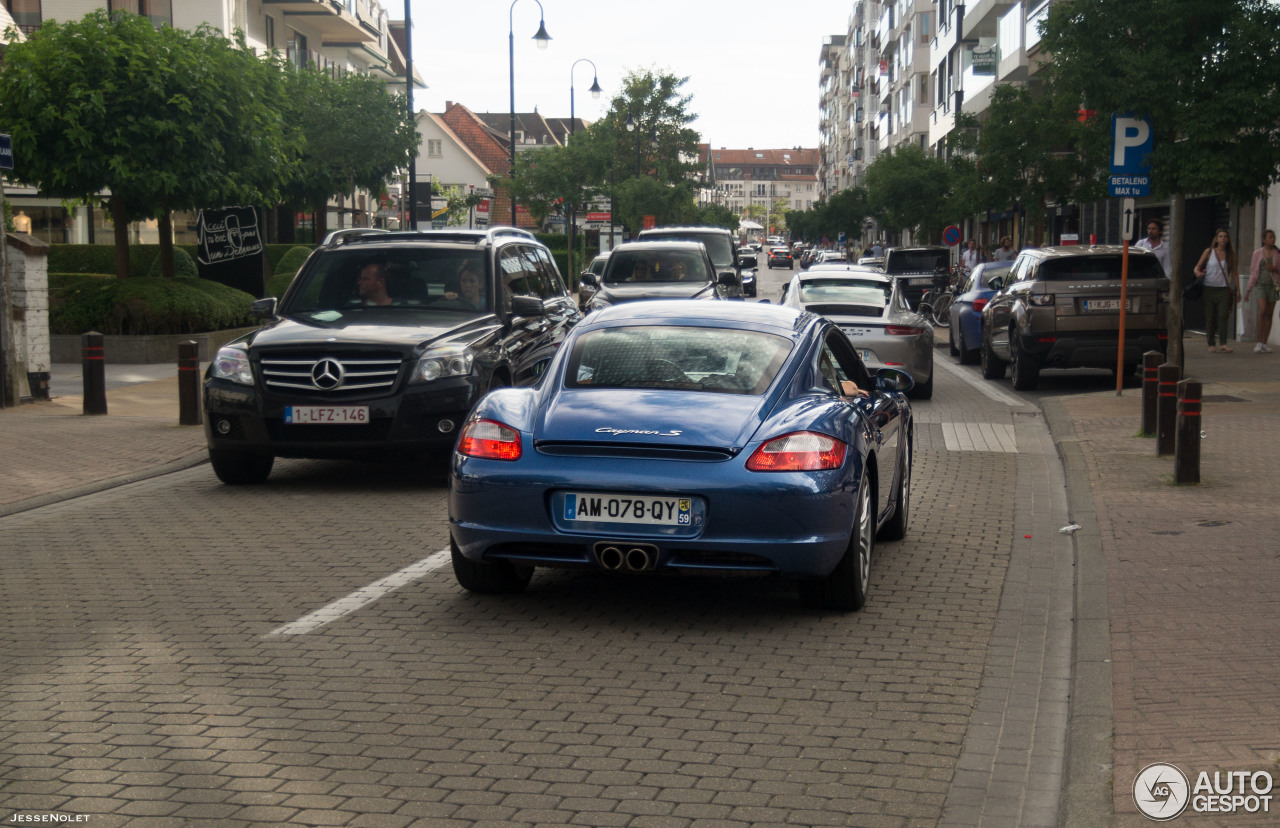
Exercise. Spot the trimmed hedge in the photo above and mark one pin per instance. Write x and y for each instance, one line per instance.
(183, 265)
(101, 258)
(143, 305)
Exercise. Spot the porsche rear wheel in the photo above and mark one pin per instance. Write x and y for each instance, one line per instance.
(896, 527)
(845, 589)
(497, 578)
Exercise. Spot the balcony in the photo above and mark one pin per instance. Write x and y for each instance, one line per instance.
(335, 24)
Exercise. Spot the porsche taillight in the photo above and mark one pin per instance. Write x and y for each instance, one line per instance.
(489, 440)
(903, 330)
(799, 451)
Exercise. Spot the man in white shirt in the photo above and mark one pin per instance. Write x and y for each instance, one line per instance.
(1156, 245)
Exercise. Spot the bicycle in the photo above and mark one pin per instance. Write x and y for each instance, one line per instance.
(935, 304)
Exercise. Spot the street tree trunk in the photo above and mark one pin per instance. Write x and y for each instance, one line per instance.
(120, 234)
(166, 243)
(1177, 227)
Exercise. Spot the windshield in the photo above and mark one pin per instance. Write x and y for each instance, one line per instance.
(845, 292)
(718, 360)
(917, 261)
(719, 245)
(635, 266)
(363, 281)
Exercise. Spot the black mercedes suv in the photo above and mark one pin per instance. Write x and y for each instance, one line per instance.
(381, 345)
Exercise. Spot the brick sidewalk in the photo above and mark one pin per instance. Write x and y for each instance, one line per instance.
(1193, 579)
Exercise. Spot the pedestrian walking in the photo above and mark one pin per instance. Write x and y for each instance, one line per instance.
(1156, 245)
(1217, 266)
(1264, 276)
(1005, 253)
(972, 256)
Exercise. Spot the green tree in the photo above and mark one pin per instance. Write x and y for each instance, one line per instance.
(1190, 68)
(906, 190)
(354, 134)
(717, 215)
(163, 119)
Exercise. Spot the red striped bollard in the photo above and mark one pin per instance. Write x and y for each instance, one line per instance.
(1186, 456)
(1167, 408)
(93, 371)
(189, 383)
(1150, 391)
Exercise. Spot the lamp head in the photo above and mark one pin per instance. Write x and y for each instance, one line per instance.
(542, 37)
(595, 89)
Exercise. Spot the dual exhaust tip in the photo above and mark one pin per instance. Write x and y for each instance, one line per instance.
(630, 557)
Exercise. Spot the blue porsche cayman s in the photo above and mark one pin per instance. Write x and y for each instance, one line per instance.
(688, 437)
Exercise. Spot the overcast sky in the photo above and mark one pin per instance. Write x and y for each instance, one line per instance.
(752, 66)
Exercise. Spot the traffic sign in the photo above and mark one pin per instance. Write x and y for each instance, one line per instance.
(1132, 140)
(6, 152)
(1128, 212)
(951, 236)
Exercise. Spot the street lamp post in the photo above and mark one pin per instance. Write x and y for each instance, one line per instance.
(543, 39)
(595, 91)
(408, 93)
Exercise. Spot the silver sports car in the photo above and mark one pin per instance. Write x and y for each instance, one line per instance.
(867, 305)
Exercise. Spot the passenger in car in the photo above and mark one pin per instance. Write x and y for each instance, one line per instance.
(470, 284)
(371, 284)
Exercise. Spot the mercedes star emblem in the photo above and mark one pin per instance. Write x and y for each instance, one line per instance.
(326, 374)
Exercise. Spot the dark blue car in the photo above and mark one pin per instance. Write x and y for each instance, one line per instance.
(965, 333)
(688, 437)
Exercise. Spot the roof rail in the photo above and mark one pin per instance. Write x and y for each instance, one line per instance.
(348, 233)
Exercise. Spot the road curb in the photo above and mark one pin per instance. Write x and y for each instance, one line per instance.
(1086, 797)
(187, 461)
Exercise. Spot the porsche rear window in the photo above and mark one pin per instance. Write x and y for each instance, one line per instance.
(845, 292)
(720, 360)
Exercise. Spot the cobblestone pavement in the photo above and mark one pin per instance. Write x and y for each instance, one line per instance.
(142, 685)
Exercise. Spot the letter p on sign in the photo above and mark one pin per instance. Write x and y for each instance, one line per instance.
(1131, 143)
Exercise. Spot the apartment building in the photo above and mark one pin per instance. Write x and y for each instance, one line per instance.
(338, 36)
(739, 178)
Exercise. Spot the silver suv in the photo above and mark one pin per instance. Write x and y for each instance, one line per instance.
(1059, 307)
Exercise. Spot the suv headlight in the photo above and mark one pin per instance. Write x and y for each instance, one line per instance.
(451, 361)
(233, 364)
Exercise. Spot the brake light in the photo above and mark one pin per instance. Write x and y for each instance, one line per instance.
(799, 451)
(1042, 299)
(979, 304)
(489, 440)
(902, 330)
(1047, 339)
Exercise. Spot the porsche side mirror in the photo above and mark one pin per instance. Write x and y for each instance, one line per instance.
(893, 379)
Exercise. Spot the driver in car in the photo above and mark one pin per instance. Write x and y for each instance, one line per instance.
(371, 284)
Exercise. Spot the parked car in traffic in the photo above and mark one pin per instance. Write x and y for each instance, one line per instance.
(719, 243)
(747, 267)
(868, 306)
(585, 287)
(965, 333)
(779, 257)
(660, 270)
(688, 438)
(1060, 307)
(381, 345)
(916, 268)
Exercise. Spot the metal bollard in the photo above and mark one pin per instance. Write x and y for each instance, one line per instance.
(93, 371)
(189, 383)
(1150, 391)
(1167, 408)
(1186, 456)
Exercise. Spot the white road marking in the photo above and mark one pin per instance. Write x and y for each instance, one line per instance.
(984, 386)
(998, 437)
(364, 596)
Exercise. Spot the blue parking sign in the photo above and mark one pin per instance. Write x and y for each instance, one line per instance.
(1132, 140)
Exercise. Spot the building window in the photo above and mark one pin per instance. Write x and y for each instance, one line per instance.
(159, 12)
(270, 35)
(25, 13)
(435, 147)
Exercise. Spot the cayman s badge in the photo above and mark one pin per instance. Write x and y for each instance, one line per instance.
(617, 431)
(327, 374)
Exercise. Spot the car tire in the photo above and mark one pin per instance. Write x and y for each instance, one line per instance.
(896, 527)
(1024, 370)
(951, 341)
(992, 366)
(845, 589)
(240, 468)
(968, 356)
(497, 578)
(923, 390)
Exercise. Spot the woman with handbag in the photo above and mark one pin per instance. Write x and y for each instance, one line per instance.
(1264, 275)
(1217, 266)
